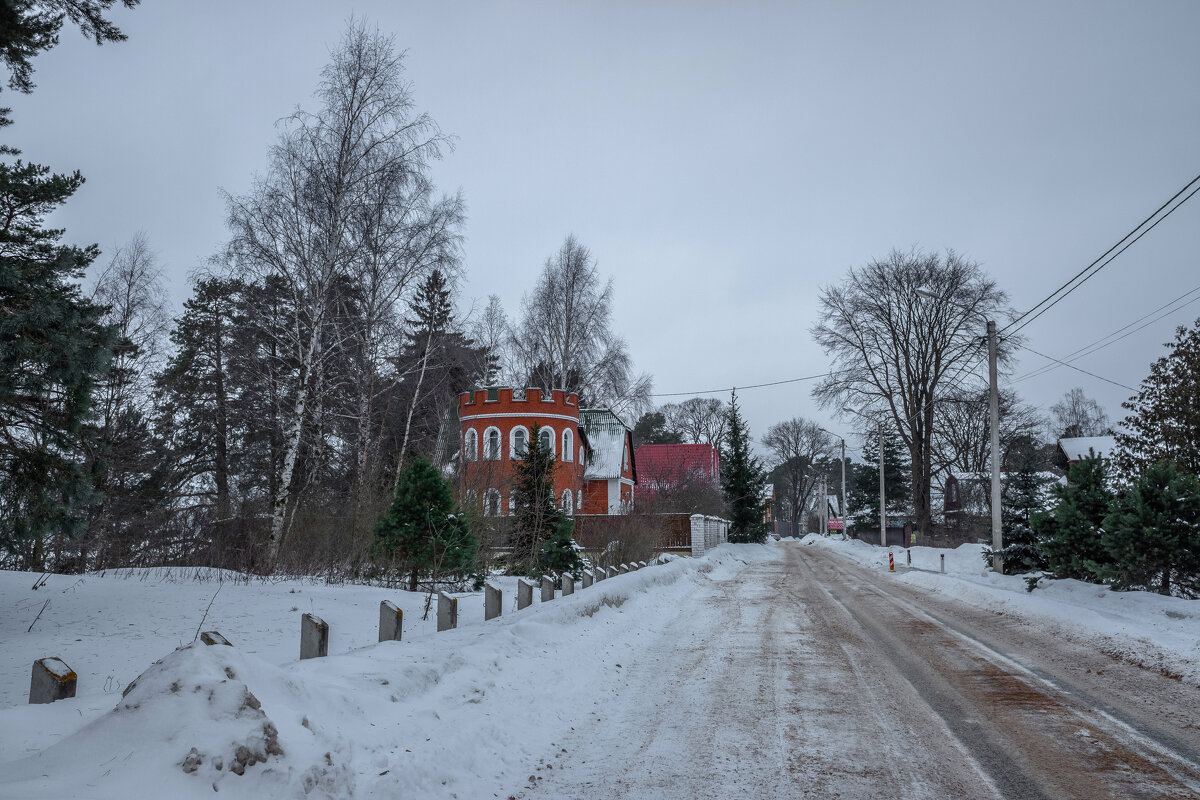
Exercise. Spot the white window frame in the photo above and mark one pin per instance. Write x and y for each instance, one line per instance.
(512, 442)
(546, 429)
(488, 454)
(568, 502)
(490, 496)
(568, 445)
(471, 445)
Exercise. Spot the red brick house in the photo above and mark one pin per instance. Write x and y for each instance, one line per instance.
(594, 471)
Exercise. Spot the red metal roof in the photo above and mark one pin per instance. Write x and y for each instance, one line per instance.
(665, 464)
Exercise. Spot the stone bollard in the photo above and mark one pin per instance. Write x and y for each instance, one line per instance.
(624, 568)
(610, 572)
(52, 680)
(524, 593)
(493, 602)
(568, 582)
(943, 558)
(642, 565)
(547, 588)
(601, 573)
(908, 557)
(589, 578)
(212, 637)
(447, 612)
(314, 637)
(391, 622)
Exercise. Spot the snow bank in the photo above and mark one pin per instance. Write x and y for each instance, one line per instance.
(1162, 633)
(454, 714)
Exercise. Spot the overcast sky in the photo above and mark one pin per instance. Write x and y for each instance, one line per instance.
(723, 161)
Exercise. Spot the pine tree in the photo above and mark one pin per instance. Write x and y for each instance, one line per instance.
(742, 480)
(421, 533)
(863, 490)
(536, 518)
(1022, 497)
(1165, 421)
(1153, 533)
(54, 349)
(1073, 544)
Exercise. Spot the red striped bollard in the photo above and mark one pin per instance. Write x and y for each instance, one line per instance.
(891, 562)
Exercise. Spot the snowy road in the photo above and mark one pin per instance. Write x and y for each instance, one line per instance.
(811, 676)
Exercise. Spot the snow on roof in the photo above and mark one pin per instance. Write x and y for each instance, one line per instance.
(607, 436)
(1077, 449)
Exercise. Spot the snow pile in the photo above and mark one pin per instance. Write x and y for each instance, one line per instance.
(1154, 631)
(453, 714)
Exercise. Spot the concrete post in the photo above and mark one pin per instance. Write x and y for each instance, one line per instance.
(212, 637)
(589, 578)
(610, 572)
(314, 637)
(697, 521)
(623, 569)
(568, 582)
(642, 565)
(447, 612)
(493, 602)
(943, 560)
(547, 588)
(391, 622)
(52, 680)
(524, 593)
(601, 573)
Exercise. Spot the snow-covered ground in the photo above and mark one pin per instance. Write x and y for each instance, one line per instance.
(1156, 631)
(464, 713)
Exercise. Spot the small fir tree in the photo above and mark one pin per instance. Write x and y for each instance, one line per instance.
(536, 518)
(863, 490)
(1072, 543)
(559, 554)
(421, 533)
(742, 480)
(1022, 497)
(1153, 533)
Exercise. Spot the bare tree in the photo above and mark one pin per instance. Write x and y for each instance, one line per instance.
(1075, 415)
(344, 220)
(961, 440)
(893, 350)
(700, 420)
(565, 340)
(797, 447)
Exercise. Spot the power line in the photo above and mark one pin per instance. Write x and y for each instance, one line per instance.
(743, 388)
(1077, 369)
(1106, 341)
(1092, 269)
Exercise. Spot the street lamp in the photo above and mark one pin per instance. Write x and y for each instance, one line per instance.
(845, 512)
(882, 493)
(994, 410)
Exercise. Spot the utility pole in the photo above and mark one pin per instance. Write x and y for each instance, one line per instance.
(994, 408)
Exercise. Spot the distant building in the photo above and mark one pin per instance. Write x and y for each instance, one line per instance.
(1076, 449)
(610, 474)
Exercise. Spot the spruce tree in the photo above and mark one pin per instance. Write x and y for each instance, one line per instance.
(1153, 533)
(1073, 544)
(536, 518)
(1165, 421)
(1022, 497)
(421, 533)
(863, 489)
(54, 349)
(742, 480)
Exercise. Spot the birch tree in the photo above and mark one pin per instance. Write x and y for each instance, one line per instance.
(345, 220)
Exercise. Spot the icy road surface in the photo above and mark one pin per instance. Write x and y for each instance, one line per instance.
(812, 676)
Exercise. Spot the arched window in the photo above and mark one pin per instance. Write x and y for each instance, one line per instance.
(512, 503)
(471, 444)
(568, 502)
(491, 503)
(546, 439)
(568, 445)
(491, 444)
(518, 442)
(625, 457)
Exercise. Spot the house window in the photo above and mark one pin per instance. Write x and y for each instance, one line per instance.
(493, 395)
(491, 447)
(546, 439)
(491, 503)
(568, 445)
(518, 444)
(512, 503)
(471, 445)
(625, 458)
(568, 503)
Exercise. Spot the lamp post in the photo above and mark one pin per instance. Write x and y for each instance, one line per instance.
(882, 492)
(845, 511)
(994, 413)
